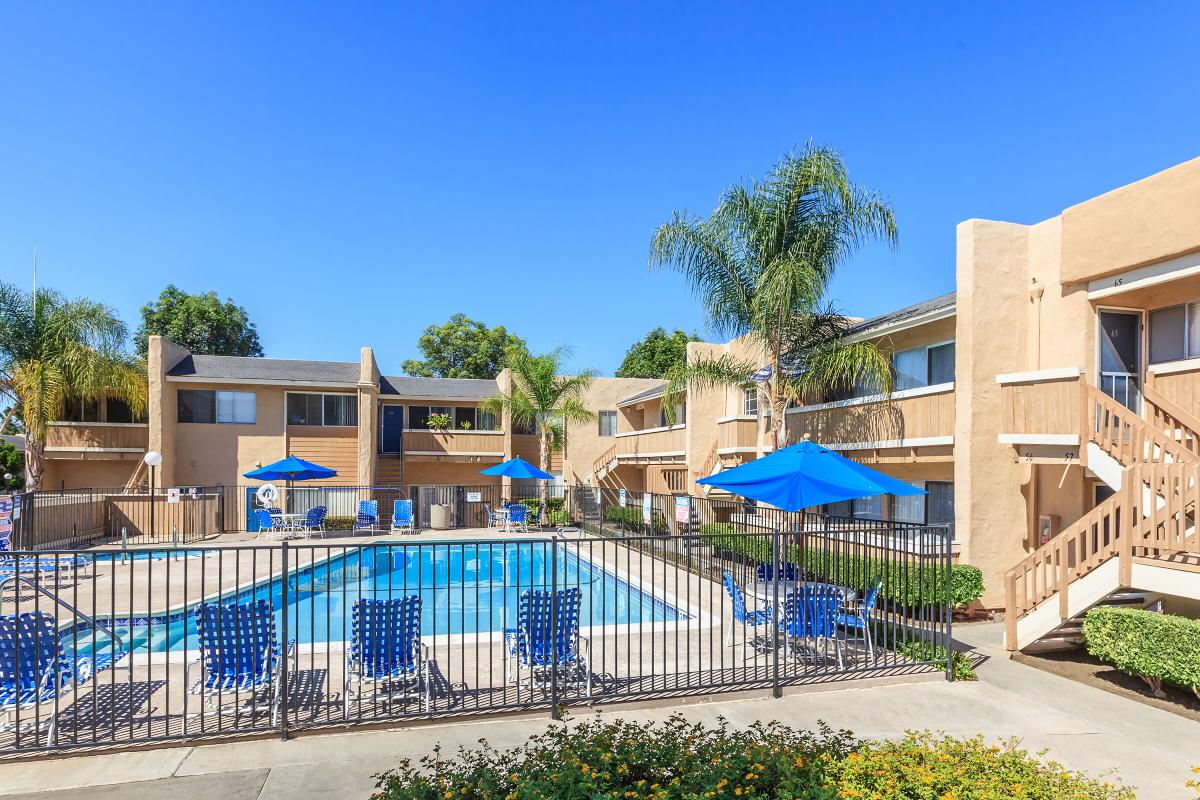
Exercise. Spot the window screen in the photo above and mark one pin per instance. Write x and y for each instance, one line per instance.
(941, 364)
(197, 405)
(1168, 334)
(608, 423)
(911, 368)
(910, 509)
(236, 407)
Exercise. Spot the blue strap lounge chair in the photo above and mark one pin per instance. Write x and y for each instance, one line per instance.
(386, 656)
(742, 617)
(810, 613)
(367, 518)
(402, 516)
(35, 673)
(547, 641)
(36, 564)
(518, 517)
(856, 615)
(240, 658)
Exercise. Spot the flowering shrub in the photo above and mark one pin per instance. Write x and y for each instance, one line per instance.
(678, 760)
(924, 765)
(674, 759)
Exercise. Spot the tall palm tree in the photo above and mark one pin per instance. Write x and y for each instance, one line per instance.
(52, 349)
(548, 401)
(761, 264)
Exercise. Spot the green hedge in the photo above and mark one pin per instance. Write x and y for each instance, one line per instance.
(1159, 648)
(679, 760)
(630, 518)
(905, 583)
(339, 523)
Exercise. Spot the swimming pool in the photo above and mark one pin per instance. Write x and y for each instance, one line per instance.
(464, 588)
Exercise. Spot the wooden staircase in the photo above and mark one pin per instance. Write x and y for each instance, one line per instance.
(1143, 537)
(389, 469)
(604, 465)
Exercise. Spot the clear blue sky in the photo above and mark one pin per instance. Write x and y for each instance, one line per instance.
(352, 172)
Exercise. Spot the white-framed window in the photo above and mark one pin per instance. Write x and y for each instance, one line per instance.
(869, 507)
(474, 418)
(928, 365)
(208, 406)
(418, 416)
(911, 508)
(750, 401)
(325, 410)
(608, 423)
(1175, 333)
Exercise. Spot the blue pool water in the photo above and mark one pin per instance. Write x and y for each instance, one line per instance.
(464, 588)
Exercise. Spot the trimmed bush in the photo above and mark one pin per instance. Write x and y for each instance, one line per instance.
(920, 650)
(559, 517)
(339, 523)
(725, 536)
(678, 760)
(630, 518)
(924, 765)
(1159, 648)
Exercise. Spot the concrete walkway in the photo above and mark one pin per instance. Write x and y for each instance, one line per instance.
(1083, 727)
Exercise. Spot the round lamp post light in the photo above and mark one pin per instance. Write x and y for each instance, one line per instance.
(152, 458)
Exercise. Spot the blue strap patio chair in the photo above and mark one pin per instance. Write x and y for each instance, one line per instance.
(36, 675)
(402, 516)
(742, 617)
(386, 656)
(269, 525)
(810, 613)
(314, 519)
(767, 572)
(518, 517)
(491, 516)
(367, 518)
(857, 614)
(240, 658)
(547, 642)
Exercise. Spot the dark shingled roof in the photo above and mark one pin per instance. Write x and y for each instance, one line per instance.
(648, 394)
(433, 388)
(916, 310)
(265, 369)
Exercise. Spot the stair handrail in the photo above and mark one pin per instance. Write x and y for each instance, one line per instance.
(1119, 526)
(605, 458)
(1128, 446)
(1164, 410)
(117, 640)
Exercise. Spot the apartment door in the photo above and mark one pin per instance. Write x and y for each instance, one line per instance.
(391, 440)
(1120, 355)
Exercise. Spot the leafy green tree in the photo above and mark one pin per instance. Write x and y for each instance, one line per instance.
(200, 322)
(52, 349)
(462, 348)
(761, 264)
(11, 463)
(12, 423)
(543, 398)
(657, 355)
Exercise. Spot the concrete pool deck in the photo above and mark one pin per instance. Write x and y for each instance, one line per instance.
(1083, 727)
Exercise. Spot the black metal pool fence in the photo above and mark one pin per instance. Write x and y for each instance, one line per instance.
(162, 643)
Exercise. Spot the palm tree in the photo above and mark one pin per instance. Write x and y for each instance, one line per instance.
(52, 349)
(542, 398)
(761, 264)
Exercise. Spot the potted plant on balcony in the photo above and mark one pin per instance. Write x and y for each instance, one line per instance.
(438, 422)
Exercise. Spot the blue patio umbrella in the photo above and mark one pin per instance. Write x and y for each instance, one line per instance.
(805, 475)
(517, 468)
(291, 469)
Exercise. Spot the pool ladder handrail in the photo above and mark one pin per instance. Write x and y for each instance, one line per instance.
(117, 640)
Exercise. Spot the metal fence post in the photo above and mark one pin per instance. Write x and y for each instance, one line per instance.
(948, 607)
(553, 627)
(284, 677)
(776, 568)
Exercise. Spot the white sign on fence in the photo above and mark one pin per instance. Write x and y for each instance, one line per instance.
(172, 495)
(474, 497)
(646, 508)
(622, 498)
(683, 509)
(17, 507)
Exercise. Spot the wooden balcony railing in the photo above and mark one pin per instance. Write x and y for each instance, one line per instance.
(96, 436)
(1045, 403)
(651, 443)
(465, 443)
(915, 414)
(737, 433)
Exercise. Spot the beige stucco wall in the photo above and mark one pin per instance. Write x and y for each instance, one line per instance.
(584, 442)
(87, 473)
(1149, 220)
(368, 417)
(161, 411)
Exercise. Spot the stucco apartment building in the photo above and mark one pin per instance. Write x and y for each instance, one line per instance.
(1043, 406)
